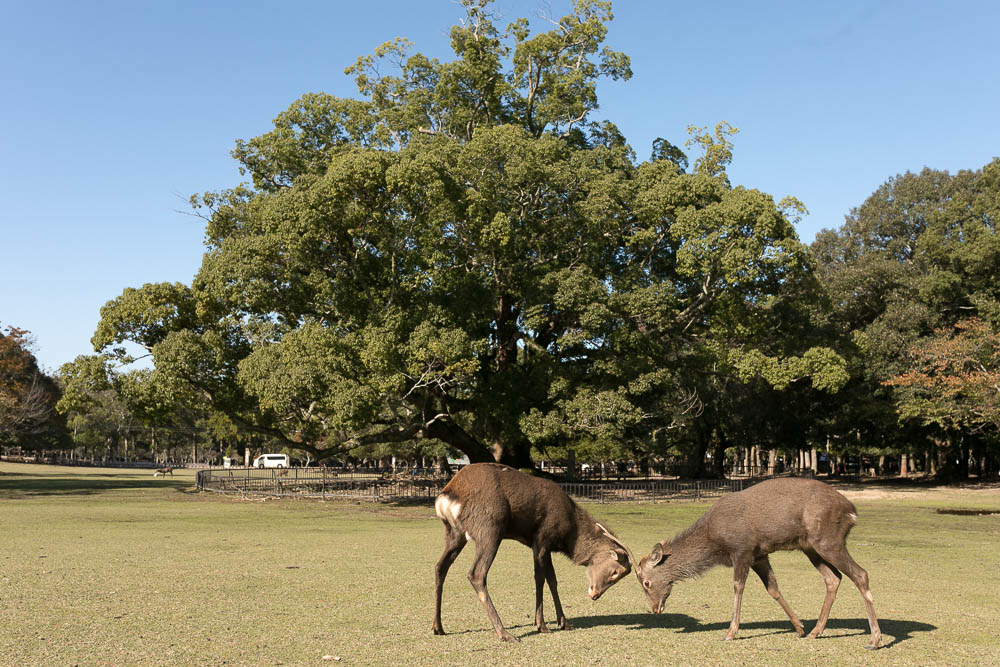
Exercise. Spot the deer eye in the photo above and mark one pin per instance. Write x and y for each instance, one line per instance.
(646, 583)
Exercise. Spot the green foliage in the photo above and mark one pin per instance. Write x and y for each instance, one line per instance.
(918, 257)
(465, 255)
(823, 365)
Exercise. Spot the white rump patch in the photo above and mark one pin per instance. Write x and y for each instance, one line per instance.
(852, 517)
(448, 510)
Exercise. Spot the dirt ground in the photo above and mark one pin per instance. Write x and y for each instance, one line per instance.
(914, 489)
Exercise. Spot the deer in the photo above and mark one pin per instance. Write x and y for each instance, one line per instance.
(742, 528)
(488, 503)
(166, 470)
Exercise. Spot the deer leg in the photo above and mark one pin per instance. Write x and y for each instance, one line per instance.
(486, 551)
(539, 563)
(740, 570)
(454, 543)
(841, 559)
(550, 576)
(763, 569)
(832, 579)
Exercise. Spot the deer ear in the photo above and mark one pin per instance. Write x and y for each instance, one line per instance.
(656, 555)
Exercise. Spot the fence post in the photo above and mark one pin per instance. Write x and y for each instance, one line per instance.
(375, 491)
(697, 490)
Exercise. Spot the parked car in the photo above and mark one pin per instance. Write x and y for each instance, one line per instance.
(271, 461)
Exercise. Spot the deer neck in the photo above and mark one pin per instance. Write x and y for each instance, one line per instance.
(586, 541)
(692, 552)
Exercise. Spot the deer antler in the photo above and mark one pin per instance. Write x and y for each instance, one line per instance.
(628, 552)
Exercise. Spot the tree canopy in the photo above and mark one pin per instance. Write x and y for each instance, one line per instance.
(27, 395)
(463, 253)
(912, 275)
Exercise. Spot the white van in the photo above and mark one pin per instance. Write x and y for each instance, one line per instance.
(271, 461)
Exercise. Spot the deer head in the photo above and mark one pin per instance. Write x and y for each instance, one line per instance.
(609, 566)
(657, 577)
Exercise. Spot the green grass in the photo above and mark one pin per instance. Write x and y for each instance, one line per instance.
(117, 567)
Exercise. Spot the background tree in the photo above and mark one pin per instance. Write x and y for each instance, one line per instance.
(27, 396)
(953, 383)
(920, 255)
(465, 255)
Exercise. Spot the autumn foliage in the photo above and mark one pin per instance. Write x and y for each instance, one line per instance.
(954, 379)
(27, 396)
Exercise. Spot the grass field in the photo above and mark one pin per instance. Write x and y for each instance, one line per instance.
(116, 567)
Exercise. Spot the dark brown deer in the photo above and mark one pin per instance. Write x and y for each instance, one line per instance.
(166, 470)
(489, 502)
(743, 528)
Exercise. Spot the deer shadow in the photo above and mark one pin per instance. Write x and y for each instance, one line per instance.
(898, 630)
(524, 630)
(636, 621)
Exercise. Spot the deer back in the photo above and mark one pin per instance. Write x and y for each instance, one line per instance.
(774, 515)
(491, 497)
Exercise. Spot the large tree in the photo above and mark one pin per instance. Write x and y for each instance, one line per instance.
(27, 395)
(464, 254)
(918, 257)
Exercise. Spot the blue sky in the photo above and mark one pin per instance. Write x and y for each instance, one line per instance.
(112, 114)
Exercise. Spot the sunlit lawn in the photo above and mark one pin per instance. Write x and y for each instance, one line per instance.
(118, 567)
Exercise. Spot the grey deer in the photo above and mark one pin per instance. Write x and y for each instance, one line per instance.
(741, 529)
(489, 502)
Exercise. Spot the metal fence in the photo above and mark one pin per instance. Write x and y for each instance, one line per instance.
(318, 483)
(329, 483)
(651, 491)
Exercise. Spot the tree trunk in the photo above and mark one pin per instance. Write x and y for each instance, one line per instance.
(719, 454)
(696, 458)
(443, 466)
(949, 464)
(963, 458)
(517, 457)
(454, 436)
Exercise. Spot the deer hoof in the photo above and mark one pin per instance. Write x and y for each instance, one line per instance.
(507, 637)
(438, 630)
(542, 628)
(565, 625)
